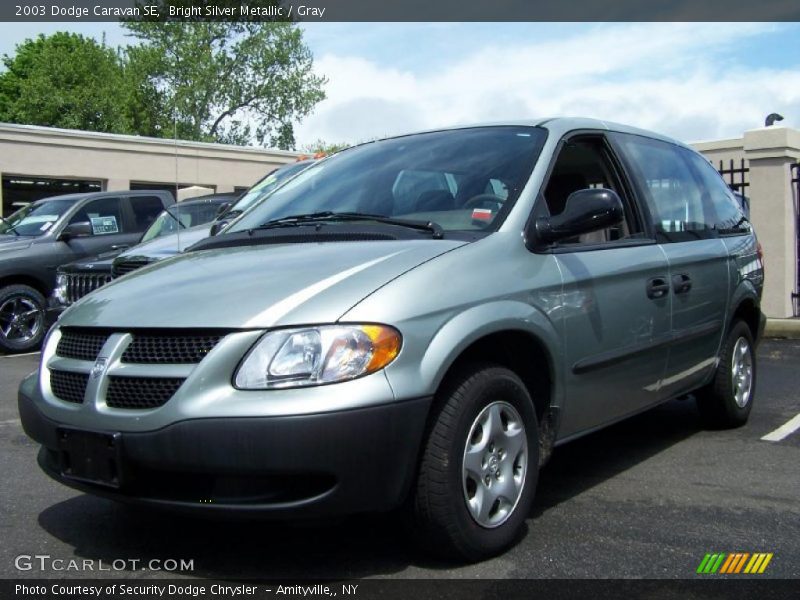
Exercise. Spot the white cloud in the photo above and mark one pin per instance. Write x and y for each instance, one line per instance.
(670, 77)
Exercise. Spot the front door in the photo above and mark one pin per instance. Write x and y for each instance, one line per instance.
(110, 228)
(616, 306)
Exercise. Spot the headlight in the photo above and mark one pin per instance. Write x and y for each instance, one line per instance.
(316, 355)
(60, 291)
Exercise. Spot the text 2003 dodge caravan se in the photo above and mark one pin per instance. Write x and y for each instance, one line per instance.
(412, 322)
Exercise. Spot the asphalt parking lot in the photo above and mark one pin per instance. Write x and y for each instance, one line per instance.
(648, 498)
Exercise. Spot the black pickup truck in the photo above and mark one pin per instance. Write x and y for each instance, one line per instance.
(37, 239)
(82, 277)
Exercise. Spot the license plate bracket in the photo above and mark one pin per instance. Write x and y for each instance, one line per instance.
(91, 456)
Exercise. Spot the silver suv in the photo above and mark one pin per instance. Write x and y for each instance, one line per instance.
(415, 322)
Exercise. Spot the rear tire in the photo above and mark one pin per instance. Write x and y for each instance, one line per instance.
(726, 402)
(480, 465)
(22, 322)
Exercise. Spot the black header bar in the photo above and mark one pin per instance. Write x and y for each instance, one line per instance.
(402, 10)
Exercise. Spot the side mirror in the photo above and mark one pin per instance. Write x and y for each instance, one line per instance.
(586, 211)
(76, 230)
(223, 208)
(217, 227)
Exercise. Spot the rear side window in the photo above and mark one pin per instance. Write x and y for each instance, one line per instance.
(720, 203)
(145, 210)
(673, 192)
(104, 215)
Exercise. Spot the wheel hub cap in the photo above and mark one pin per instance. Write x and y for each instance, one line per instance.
(20, 319)
(494, 465)
(742, 372)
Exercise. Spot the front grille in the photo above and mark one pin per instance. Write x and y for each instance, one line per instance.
(80, 284)
(169, 349)
(122, 267)
(68, 386)
(140, 392)
(81, 345)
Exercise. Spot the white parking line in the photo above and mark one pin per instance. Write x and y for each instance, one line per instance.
(784, 430)
(18, 355)
(10, 422)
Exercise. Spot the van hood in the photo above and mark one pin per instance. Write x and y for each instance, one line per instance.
(252, 287)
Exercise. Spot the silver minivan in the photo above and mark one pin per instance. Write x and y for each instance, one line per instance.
(413, 323)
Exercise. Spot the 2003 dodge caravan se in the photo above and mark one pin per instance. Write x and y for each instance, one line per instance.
(415, 321)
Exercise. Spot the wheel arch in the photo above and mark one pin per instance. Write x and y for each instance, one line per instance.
(24, 279)
(511, 334)
(746, 306)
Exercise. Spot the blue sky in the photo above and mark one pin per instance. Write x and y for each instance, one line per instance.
(692, 80)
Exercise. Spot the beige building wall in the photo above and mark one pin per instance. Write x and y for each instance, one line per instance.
(769, 153)
(118, 160)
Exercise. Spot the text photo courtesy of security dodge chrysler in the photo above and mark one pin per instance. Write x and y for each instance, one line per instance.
(413, 324)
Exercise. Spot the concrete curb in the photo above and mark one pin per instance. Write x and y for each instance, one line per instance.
(783, 328)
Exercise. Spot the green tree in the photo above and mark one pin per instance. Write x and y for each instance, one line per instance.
(229, 82)
(323, 147)
(64, 80)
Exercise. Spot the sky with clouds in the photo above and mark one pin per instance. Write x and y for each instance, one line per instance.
(694, 81)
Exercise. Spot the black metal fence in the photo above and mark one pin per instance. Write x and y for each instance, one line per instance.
(736, 176)
(795, 176)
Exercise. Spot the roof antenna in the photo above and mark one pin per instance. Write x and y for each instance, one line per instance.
(177, 198)
(771, 118)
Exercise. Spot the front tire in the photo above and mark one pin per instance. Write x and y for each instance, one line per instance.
(22, 322)
(727, 401)
(480, 464)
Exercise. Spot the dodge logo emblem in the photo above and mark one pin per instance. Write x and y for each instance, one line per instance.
(98, 368)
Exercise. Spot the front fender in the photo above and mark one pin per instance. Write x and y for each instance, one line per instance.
(423, 376)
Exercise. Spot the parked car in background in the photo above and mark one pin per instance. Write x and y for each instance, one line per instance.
(163, 239)
(415, 321)
(75, 280)
(264, 187)
(38, 238)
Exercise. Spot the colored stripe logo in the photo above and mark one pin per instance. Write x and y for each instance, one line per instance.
(731, 563)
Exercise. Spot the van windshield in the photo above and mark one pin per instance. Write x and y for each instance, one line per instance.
(266, 185)
(36, 218)
(462, 179)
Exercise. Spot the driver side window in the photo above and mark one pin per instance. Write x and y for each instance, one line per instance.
(584, 163)
(103, 214)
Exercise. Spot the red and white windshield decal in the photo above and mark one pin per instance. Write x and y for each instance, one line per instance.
(482, 214)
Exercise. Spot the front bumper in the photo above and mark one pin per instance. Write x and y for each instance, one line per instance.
(360, 460)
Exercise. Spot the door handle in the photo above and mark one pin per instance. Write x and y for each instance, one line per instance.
(681, 283)
(120, 246)
(657, 287)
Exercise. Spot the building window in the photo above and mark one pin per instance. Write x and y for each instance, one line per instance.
(20, 190)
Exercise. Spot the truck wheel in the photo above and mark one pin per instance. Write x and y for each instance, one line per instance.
(479, 466)
(726, 402)
(22, 324)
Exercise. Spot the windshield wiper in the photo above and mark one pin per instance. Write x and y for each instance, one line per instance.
(324, 216)
(10, 226)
